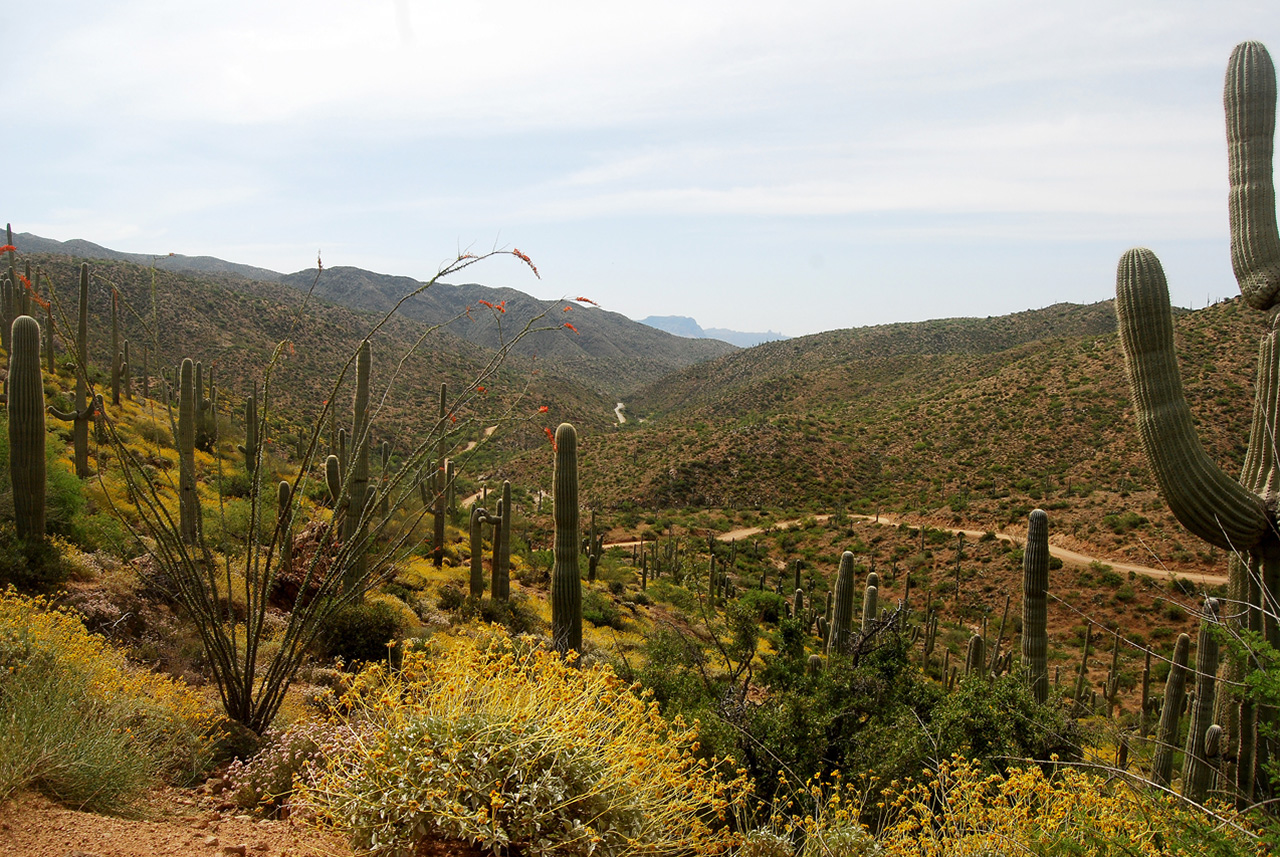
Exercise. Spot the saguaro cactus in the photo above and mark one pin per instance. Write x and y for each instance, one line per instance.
(1196, 770)
(250, 447)
(566, 582)
(1035, 605)
(502, 548)
(838, 641)
(26, 428)
(349, 489)
(188, 498)
(1230, 514)
(1175, 689)
(478, 518)
(437, 556)
(82, 409)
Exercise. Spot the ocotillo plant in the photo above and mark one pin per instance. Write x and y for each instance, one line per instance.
(1035, 605)
(1231, 514)
(26, 428)
(1175, 688)
(839, 638)
(82, 407)
(566, 584)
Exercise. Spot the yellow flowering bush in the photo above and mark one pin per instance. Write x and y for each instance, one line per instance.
(78, 721)
(503, 744)
(959, 810)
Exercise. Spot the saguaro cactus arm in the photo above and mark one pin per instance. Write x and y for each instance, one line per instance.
(1201, 496)
(1249, 97)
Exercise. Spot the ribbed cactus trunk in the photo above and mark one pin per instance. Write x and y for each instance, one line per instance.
(840, 634)
(437, 556)
(83, 406)
(250, 448)
(26, 429)
(870, 607)
(1175, 692)
(566, 583)
(1197, 773)
(284, 523)
(975, 662)
(116, 358)
(502, 548)
(188, 499)
(1035, 605)
(478, 517)
(355, 526)
(1229, 514)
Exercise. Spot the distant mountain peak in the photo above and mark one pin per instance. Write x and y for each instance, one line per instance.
(682, 325)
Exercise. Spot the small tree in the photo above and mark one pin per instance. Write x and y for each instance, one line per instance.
(351, 559)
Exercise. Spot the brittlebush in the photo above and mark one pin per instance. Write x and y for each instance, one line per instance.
(961, 810)
(504, 744)
(80, 723)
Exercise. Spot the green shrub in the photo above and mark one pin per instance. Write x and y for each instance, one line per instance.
(360, 633)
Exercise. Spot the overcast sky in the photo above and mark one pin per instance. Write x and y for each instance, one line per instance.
(796, 166)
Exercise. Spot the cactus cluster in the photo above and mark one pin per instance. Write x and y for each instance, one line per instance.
(1236, 515)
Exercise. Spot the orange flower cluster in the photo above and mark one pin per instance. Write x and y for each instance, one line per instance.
(8, 248)
(524, 258)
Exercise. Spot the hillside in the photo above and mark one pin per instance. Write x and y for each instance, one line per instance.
(234, 324)
(611, 354)
(969, 422)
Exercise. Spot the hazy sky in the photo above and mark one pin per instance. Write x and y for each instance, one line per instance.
(794, 166)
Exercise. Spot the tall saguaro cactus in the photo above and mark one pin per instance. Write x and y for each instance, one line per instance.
(26, 428)
(501, 586)
(82, 407)
(1196, 770)
(437, 556)
(1232, 514)
(188, 498)
(566, 581)
(1035, 605)
(1175, 691)
(838, 640)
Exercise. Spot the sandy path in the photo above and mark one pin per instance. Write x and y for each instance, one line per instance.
(1068, 557)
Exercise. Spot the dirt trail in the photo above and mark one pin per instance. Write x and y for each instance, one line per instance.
(1068, 557)
(466, 502)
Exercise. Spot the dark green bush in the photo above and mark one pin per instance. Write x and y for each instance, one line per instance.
(360, 633)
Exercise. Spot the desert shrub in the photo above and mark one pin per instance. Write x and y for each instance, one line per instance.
(81, 724)
(30, 565)
(960, 808)
(768, 606)
(601, 611)
(508, 746)
(359, 633)
(265, 782)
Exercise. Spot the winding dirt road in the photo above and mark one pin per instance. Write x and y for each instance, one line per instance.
(1068, 557)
